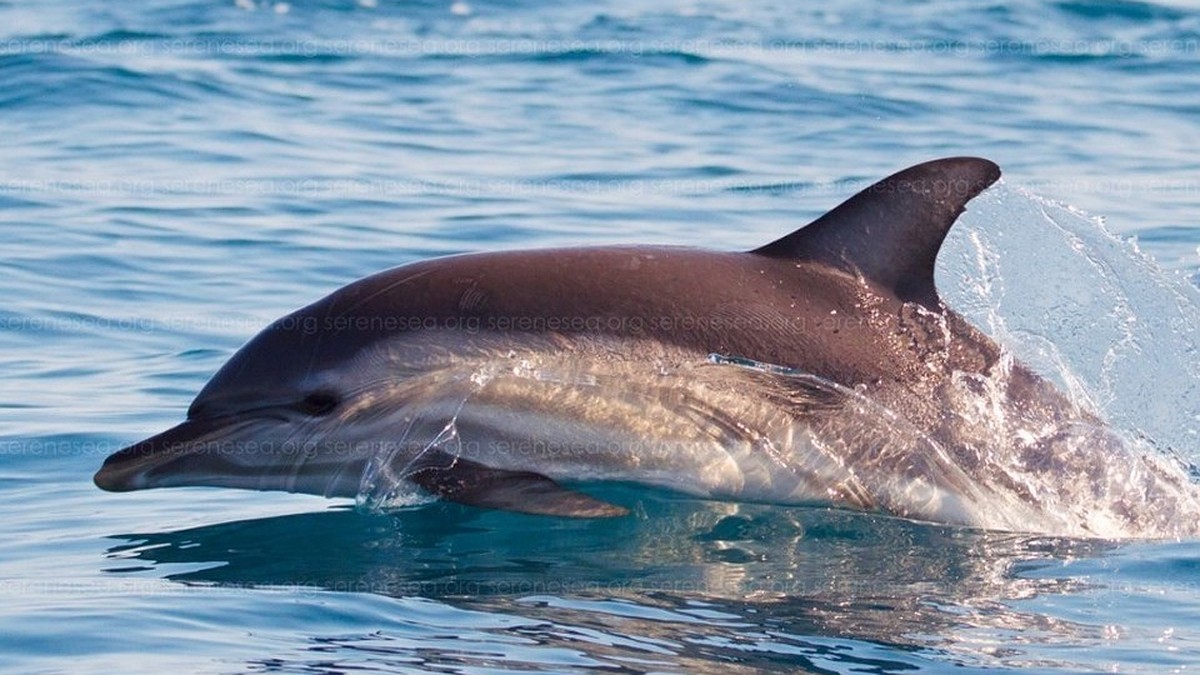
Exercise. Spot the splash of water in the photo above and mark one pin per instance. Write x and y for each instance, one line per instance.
(1084, 308)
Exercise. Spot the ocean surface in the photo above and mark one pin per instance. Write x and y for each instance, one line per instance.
(178, 173)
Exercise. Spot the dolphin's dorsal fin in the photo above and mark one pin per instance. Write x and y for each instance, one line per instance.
(890, 232)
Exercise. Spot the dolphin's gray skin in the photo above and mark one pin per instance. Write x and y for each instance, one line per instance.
(821, 368)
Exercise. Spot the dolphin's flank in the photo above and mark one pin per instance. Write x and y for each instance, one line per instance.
(821, 368)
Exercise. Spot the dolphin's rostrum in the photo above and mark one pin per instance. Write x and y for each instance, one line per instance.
(822, 368)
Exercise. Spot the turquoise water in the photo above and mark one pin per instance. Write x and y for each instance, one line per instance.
(178, 173)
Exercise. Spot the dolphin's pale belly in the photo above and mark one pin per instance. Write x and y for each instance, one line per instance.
(705, 428)
(718, 428)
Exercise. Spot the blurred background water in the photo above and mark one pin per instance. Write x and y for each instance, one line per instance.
(177, 173)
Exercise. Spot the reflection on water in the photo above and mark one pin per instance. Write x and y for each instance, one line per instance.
(687, 584)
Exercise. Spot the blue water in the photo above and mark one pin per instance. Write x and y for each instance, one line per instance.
(178, 173)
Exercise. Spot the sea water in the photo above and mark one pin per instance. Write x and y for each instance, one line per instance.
(178, 173)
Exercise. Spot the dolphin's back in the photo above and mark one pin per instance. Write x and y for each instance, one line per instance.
(796, 302)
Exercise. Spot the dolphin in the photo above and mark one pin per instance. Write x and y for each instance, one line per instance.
(822, 368)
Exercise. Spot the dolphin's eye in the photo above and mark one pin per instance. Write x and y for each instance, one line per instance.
(318, 403)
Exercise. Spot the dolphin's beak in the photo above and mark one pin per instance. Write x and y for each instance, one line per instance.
(178, 456)
(239, 450)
